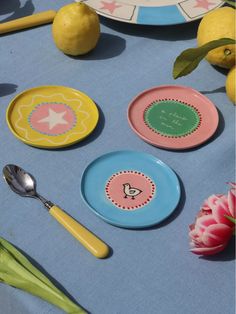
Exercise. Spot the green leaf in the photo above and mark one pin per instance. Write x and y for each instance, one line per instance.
(232, 3)
(189, 59)
(23, 261)
(17, 271)
(233, 220)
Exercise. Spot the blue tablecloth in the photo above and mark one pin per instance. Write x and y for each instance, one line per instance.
(149, 271)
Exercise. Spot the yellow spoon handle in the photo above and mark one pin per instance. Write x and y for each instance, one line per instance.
(28, 21)
(88, 239)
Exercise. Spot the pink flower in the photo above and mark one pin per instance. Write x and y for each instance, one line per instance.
(212, 230)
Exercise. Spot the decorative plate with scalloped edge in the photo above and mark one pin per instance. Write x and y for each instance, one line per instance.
(52, 116)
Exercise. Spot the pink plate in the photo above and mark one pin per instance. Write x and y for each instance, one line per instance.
(173, 117)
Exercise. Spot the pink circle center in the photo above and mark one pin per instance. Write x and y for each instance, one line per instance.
(52, 118)
(129, 189)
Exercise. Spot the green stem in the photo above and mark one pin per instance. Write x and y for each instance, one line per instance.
(17, 271)
(227, 52)
(231, 219)
(231, 3)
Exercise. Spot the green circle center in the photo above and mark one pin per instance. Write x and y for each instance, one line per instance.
(171, 118)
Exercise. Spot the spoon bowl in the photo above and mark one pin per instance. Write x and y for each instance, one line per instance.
(19, 181)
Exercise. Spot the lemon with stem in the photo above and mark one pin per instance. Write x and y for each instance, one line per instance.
(219, 23)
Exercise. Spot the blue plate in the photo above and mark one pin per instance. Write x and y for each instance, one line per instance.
(130, 189)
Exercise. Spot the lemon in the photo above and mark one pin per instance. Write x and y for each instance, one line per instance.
(76, 29)
(230, 85)
(219, 23)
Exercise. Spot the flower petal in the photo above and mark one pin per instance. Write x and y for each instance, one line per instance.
(213, 199)
(191, 227)
(203, 222)
(233, 184)
(232, 202)
(204, 211)
(221, 210)
(194, 235)
(216, 234)
(208, 250)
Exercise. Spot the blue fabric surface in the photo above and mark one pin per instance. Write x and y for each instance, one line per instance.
(149, 271)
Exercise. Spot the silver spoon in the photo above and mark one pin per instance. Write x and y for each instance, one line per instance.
(24, 184)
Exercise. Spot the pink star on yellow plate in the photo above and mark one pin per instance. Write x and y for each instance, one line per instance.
(203, 4)
(110, 6)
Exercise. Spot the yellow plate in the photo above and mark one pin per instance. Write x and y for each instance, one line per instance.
(51, 116)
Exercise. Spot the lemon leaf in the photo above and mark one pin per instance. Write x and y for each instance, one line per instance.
(189, 59)
(232, 3)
